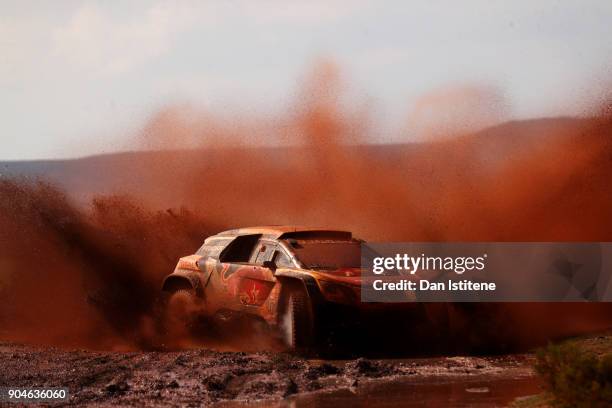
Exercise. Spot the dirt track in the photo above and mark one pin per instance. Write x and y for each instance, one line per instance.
(203, 377)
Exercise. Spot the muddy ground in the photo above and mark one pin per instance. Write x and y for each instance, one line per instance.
(228, 379)
(205, 377)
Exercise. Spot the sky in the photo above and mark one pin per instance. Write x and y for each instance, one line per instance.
(77, 77)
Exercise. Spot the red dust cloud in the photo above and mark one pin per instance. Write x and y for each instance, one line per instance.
(90, 277)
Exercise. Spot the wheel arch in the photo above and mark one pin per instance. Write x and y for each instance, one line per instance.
(182, 280)
(290, 279)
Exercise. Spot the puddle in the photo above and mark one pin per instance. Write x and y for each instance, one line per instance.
(473, 392)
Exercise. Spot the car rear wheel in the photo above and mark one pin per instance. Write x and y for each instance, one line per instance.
(298, 321)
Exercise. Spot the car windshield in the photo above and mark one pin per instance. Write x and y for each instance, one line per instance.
(328, 254)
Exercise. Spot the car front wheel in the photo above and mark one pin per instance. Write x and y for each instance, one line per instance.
(183, 310)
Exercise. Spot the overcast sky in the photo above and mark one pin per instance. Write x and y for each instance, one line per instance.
(77, 76)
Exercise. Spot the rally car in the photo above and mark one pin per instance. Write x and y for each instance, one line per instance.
(291, 277)
(306, 284)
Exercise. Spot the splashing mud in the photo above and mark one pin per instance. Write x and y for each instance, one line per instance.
(80, 277)
(90, 276)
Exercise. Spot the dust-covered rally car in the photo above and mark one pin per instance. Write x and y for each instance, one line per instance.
(304, 281)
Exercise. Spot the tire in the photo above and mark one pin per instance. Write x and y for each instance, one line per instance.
(184, 300)
(183, 309)
(298, 321)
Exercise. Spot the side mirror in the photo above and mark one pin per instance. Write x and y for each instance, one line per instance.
(271, 265)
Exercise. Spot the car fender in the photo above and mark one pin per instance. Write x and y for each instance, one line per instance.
(309, 283)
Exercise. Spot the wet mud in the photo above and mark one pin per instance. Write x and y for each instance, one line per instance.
(206, 377)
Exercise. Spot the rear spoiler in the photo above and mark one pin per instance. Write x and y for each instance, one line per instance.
(322, 234)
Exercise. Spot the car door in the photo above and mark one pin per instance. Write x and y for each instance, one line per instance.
(209, 257)
(234, 262)
(256, 282)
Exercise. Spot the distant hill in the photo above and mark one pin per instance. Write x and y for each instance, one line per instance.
(125, 172)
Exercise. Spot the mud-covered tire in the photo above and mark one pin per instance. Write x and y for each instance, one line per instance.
(299, 321)
(183, 310)
(181, 298)
(183, 293)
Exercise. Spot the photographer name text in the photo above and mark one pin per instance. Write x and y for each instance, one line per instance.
(425, 285)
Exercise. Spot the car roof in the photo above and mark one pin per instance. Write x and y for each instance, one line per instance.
(284, 231)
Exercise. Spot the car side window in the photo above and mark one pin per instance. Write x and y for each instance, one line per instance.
(263, 252)
(213, 248)
(240, 249)
(282, 260)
